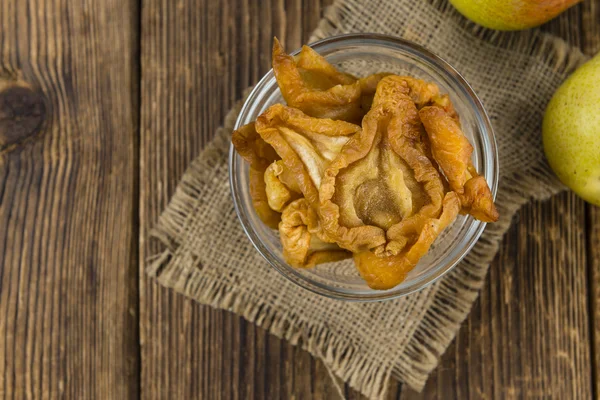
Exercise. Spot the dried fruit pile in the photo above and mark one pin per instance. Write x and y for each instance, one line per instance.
(380, 192)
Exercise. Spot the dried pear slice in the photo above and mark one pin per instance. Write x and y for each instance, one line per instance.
(383, 273)
(278, 193)
(259, 154)
(477, 200)
(311, 84)
(449, 146)
(382, 178)
(452, 152)
(306, 145)
(303, 245)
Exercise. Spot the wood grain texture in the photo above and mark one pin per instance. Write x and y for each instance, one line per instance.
(197, 58)
(68, 254)
(593, 246)
(591, 45)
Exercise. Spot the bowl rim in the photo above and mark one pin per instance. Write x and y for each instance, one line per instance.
(483, 121)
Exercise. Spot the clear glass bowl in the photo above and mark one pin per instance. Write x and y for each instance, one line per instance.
(364, 54)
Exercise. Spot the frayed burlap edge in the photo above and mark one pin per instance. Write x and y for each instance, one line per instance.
(457, 291)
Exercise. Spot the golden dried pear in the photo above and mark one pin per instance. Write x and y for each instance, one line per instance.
(248, 143)
(477, 200)
(386, 272)
(278, 194)
(301, 238)
(449, 146)
(419, 91)
(368, 85)
(259, 155)
(260, 201)
(382, 179)
(316, 71)
(382, 192)
(314, 86)
(446, 104)
(305, 144)
(452, 152)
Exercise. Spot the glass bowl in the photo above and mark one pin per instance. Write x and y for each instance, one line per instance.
(361, 55)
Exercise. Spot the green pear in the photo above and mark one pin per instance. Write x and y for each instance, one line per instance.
(511, 15)
(571, 131)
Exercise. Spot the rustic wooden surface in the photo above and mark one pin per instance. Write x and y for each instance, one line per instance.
(593, 246)
(68, 199)
(103, 104)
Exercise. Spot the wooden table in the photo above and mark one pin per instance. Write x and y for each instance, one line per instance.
(102, 106)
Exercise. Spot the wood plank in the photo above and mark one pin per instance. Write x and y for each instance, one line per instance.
(68, 192)
(591, 45)
(593, 246)
(192, 73)
(528, 333)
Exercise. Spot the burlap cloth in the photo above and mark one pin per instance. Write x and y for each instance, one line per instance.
(208, 257)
